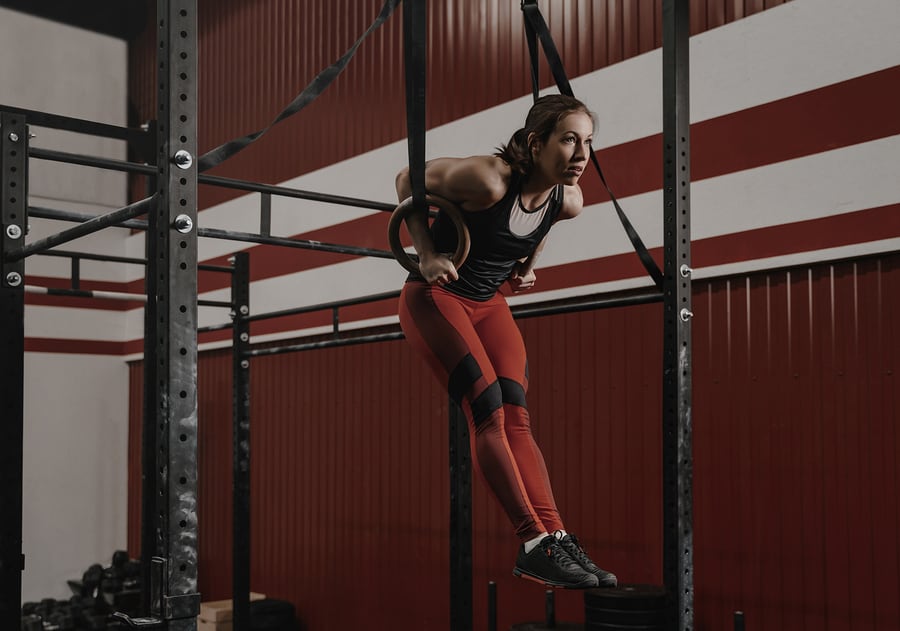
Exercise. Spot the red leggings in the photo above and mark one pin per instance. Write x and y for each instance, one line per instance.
(475, 348)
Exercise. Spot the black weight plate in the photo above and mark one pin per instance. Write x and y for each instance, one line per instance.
(644, 597)
(629, 616)
(600, 626)
(542, 626)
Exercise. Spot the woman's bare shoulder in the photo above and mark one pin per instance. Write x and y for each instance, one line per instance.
(573, 202)
(473, 182)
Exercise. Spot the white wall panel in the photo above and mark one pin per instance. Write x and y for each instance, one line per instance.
(75, 482)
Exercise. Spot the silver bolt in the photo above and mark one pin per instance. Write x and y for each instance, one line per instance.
(30, 136)
(245, 363)
(13, 231)
(244, 337)
(14, 136)
(183, 159)
(686, 314)
(245, 309)
(686, 270)
(14, 279)
(183, 224)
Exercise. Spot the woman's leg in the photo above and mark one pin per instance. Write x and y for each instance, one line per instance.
(506, 352)
(438, 325)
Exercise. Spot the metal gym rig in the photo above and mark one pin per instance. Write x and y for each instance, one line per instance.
(169, 520)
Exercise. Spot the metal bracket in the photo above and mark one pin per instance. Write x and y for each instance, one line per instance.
(139, 623)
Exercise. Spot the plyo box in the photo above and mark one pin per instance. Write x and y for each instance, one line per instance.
(217, 615)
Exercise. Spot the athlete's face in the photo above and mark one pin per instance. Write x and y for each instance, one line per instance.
(563, 157)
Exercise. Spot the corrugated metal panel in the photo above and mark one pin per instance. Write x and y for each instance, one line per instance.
(796, 447)
(795, 481)
(255, 57)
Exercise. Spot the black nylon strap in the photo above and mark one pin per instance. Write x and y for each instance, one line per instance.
(539, 27)
(414, 51)
(310, 93)
(536, 27)
(531, 38)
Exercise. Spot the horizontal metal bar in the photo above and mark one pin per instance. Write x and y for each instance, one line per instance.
(209, 180)
(308, 346)
(68, 215)
(57, 121)
(91, 161)
(214, 327)
(528, 311)
(90, 256)
(84, 293)
(88, 227)
(204, 267)
(576, 305)
(284, 191)
(323, 306)
(213, 303)
(218, 233)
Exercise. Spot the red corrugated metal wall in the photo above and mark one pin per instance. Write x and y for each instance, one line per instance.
(796, 447)
(795, 479)
(255, 57)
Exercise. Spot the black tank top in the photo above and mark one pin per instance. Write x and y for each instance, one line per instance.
(500, 236)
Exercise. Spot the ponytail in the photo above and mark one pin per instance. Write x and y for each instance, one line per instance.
(516, 152)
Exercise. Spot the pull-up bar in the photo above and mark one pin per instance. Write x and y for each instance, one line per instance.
(210, 180)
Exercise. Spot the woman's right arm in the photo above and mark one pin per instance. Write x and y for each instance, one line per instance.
(471, 183)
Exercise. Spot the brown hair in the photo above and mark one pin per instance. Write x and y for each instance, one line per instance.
(541, 120)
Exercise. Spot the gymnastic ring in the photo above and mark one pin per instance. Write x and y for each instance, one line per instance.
(410, 261)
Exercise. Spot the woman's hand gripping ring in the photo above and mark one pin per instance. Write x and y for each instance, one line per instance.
(411, 261)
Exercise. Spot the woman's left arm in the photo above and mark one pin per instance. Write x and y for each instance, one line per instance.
(523, 275)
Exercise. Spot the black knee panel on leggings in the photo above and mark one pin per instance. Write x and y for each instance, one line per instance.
(512, 392)
(486, 402)
(466, 373)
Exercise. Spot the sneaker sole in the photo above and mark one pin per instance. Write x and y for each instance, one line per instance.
(543, 581)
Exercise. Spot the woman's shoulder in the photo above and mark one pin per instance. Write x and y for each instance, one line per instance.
(476, 182)
(572, 202)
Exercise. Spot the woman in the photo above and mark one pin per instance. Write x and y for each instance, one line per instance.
(462, 326)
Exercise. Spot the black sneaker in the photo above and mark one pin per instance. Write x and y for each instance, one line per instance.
(550, 565)
(570, 544)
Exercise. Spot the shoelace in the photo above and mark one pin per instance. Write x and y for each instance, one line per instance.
(575, 550)
(550, 547)
(555, 551)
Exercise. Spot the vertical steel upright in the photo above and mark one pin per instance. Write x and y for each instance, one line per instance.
(173, 581)
(13, 207)
(240, 547)
(678, 564)
(152, 391)
(461, 611)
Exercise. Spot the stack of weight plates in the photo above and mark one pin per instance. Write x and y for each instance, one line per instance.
(626, 608)
(547, 626)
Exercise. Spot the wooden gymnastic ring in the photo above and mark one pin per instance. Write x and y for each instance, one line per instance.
(411, 261)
